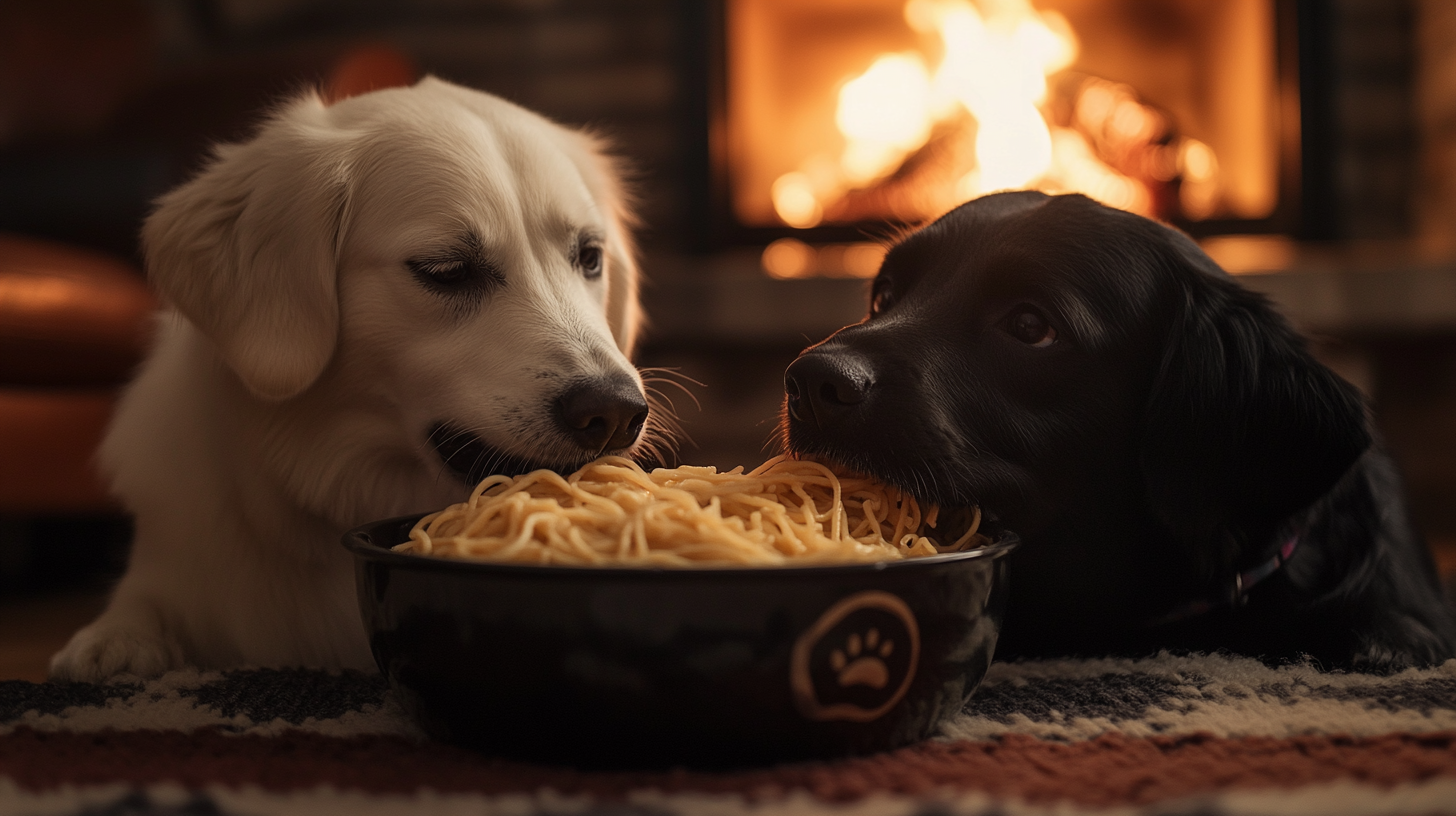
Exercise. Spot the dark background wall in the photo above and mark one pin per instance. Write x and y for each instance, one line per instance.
(103, 103)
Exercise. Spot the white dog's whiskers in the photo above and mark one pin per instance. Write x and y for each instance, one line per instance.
(673, 377)
(663, 434)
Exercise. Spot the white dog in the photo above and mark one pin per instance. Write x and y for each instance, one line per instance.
(372, 304)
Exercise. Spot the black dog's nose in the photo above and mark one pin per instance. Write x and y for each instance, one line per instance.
(602, 414)
(822, 388)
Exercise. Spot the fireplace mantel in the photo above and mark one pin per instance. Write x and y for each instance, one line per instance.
(1346, 290)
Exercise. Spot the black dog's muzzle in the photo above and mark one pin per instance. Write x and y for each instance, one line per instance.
(825, 387)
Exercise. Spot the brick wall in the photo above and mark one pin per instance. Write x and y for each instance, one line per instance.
(622, 66)
(1358, 63)
(612, 65)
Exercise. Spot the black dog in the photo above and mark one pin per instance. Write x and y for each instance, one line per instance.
(1183, 474)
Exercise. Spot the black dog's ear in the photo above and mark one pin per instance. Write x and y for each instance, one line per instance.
(1243, 426)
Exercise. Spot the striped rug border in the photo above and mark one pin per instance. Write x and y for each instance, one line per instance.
(1112, 770)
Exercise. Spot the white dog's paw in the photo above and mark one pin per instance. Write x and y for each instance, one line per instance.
(112, 645)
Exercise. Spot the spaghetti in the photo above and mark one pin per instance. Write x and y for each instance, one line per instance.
(612, 512)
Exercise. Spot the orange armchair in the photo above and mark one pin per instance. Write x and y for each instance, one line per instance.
(75, 323)
(73, 326)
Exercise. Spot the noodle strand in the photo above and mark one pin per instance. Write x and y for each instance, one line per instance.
(613, 512)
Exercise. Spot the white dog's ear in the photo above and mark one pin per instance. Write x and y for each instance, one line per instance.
(247, 250)
(604, 178)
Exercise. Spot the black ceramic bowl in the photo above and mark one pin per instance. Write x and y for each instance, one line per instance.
(713, 667)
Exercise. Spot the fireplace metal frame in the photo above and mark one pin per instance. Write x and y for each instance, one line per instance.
(1306, 117)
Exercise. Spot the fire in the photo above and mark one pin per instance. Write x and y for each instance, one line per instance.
(996, 66)
(884, 114)
(977, 120)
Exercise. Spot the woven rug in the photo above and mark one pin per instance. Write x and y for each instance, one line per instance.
(1166, 735)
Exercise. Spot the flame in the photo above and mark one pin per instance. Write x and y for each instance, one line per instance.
(996, 67)
(1079, 170)
(883, 114)
(996, 57)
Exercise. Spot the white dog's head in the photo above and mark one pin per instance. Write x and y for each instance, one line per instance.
(430, 271)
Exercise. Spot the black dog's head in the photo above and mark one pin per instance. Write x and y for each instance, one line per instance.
(1065, 364)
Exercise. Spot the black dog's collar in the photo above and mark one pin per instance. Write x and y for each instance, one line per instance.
(1238, 589)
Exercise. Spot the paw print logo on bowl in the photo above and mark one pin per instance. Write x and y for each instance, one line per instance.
(864, 662)
(857, 660)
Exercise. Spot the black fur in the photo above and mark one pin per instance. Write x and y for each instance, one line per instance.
(1174, 433)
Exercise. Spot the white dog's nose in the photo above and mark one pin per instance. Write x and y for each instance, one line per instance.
(603, 414)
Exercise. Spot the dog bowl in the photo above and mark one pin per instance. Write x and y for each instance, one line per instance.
(626, 667)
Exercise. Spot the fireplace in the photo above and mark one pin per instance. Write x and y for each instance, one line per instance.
(834, 121)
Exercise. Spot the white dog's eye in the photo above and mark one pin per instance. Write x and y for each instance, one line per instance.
(462, 271)
(589, 260)
(449, 273)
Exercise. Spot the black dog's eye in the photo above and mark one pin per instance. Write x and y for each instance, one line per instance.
(1031, 327)
(589, 259)
(882, 296)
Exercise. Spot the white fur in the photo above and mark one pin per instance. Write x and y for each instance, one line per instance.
(300, 364)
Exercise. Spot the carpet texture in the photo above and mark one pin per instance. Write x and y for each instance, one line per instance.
(1166, 735)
